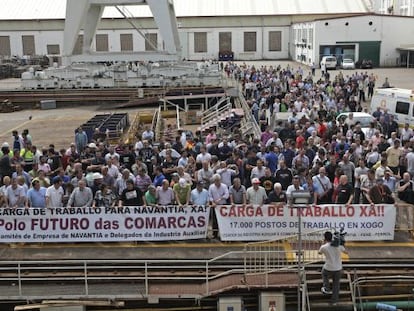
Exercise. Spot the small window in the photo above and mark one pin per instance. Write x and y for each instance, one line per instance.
(53, 49)
(250, 41)
(402, 107)
(151, 42)
(275, 41)
(200, 42)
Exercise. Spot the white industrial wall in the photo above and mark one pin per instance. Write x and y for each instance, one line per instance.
(391, 31)
(262, 43)
(43, 38)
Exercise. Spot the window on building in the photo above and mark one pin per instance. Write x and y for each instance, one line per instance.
(250, 41)
(78, 45)
(127, 44)
(275, 41)
(151, 37)
(200, 42)
(402, 107)
(28, 45)
(102, 44)
(53, 49)
(304, 34)
(5, 45)
(310, 36)
(225, 42)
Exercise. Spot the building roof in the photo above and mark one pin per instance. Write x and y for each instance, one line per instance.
(55, 9)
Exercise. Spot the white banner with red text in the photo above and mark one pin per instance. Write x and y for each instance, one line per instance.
(140, 223)
(267, 222)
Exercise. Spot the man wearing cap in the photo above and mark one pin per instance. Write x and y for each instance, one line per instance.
(54, 193)
(97, 182)
(182, 191)
(81, 196)
(256, 194)
(199, 195)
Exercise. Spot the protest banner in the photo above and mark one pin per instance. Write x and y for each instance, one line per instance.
(140, 223)
(257, 223)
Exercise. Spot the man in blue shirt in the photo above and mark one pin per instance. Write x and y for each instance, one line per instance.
(36, 196)
(199, 195)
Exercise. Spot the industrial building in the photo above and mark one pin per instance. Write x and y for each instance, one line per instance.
(240, 30)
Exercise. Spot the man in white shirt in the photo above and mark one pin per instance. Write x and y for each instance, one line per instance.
(324, 188)
(54, 194)
(15, 195)
(332, 269)
(256, 194)
(218, 191)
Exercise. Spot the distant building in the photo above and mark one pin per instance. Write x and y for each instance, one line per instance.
(233, 29)
(394, 7)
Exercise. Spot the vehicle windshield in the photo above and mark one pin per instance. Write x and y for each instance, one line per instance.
(364, 121)
(348, 60)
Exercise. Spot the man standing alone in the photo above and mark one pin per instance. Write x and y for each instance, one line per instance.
(332, 269)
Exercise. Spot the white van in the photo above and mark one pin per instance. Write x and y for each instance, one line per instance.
(329, 62)
(398, 102)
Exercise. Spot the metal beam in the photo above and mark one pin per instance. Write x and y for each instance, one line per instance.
(85, 14)
(91, 24)
(121, 57)
(164, 15)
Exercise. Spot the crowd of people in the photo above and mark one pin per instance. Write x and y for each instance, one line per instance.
(334, 160)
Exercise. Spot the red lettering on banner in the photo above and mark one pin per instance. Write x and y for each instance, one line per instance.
(369, 211)
(325, 211)
(241, 211)
(273, 210)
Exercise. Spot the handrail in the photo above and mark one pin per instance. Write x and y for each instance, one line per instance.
(216, 110)
(352, 292)
(158, 124)
(86, 272)
(177, 116)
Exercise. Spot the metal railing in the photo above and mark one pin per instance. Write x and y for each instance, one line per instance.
(132, 279)
(375, 280)
(222, 107)
(282, 253)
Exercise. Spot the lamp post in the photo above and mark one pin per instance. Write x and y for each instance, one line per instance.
(300, 199)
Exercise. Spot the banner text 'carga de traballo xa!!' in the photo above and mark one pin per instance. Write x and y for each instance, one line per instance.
(255, 223)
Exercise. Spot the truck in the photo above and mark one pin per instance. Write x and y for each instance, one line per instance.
(397, 102)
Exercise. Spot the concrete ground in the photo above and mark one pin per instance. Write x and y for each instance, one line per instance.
(57, 126)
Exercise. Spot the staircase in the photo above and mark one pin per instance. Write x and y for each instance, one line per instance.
(316, 300)
(221, 113)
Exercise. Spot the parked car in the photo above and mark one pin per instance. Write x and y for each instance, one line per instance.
(364, 64)
(329, 62)
(363, 118)
(347, 63)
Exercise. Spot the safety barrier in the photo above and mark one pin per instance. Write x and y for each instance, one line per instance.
(133, 279)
